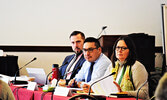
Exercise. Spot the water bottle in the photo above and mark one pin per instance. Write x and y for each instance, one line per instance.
(55, 71)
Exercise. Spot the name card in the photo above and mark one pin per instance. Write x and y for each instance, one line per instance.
(32, 86)
(62, 91)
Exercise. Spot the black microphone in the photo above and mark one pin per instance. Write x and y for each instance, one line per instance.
(103, 28)
(72, 70)
(67, 80)
(68, 73)
(22, 82)
(137, 96)
(64, 63)
(100, 80)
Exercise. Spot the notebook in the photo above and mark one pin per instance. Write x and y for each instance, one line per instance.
(38, 73)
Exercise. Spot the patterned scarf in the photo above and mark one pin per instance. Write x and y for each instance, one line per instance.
(125, 81)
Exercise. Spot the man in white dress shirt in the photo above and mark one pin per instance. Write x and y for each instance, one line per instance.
(93, 54)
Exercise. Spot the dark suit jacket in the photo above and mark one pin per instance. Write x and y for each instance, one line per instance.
(77, 67)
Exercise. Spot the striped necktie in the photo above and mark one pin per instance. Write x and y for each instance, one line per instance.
(69, 66)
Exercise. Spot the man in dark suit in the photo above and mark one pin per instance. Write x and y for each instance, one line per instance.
(73, 63)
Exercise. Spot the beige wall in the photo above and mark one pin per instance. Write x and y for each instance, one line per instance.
(44, 60)
(49, 23)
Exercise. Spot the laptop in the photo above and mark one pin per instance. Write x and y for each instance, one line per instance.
(38, 73)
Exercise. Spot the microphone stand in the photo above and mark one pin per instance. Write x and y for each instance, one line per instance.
(21, 82)
(54, 89)
(99, 80)
(59, 79)
(103, 29)
(47, 78)
(140, 88)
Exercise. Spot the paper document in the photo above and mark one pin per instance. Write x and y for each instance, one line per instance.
(4, 78)
(20, 78)
(38, 73)
(105, 87)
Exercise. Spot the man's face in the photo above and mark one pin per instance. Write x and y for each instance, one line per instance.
(77, 43)
(91, 52)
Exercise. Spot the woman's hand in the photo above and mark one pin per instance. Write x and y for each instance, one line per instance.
(118, 87)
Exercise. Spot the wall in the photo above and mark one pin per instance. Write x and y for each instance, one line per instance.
(44, 60)
(49, 23)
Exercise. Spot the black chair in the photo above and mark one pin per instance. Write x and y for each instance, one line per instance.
(145, 49)
(9, 65)
(83, 96)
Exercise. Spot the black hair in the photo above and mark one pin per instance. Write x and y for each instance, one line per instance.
(76, 33)
(132, 57)
(92, 39)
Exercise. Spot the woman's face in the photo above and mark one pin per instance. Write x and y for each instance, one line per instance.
(121, 50)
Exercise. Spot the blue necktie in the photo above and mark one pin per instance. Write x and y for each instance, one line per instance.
(90, 71)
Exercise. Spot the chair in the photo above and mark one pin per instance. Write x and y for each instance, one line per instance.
(83, 96)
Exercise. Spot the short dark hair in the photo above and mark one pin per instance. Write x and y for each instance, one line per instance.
(92, 39)
(76, 33)
(132, 57)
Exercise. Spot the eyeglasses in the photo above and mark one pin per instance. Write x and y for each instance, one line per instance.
(90, 50)
(121, 48)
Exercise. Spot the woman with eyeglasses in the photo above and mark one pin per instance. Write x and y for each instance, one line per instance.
(130, 73)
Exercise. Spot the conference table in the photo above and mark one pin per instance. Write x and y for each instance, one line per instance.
(21, 93)
(24, 94)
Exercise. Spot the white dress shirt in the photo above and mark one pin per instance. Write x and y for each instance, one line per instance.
(99, 69)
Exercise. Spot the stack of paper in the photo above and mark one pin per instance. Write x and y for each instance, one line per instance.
(105, 87)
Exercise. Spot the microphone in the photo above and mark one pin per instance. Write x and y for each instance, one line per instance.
(63, 65)
(72, 70)
(100, 80)
(67, 80)
(137, 96)
(103, 28)
(22, 82)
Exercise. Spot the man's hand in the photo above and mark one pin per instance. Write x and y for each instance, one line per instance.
(86, 88)
(79, 84)
(71, 82)
(62, 82)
